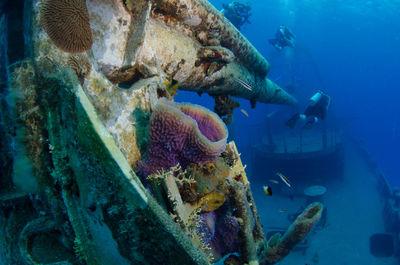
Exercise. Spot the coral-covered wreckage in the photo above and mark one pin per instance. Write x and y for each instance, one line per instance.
(92, 103)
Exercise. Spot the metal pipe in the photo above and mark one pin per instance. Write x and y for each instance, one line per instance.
(203, 20)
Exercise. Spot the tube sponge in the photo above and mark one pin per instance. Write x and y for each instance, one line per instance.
(182, 133)
(279, 247)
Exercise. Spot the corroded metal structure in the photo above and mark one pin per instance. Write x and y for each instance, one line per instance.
(189, 41)
(74, 128)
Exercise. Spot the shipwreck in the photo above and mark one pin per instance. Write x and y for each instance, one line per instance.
(100, 165)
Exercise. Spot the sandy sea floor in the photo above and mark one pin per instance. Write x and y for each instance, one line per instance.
(354, 212)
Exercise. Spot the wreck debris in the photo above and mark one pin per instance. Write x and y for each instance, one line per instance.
(170, 47)
(212, 25)
(279, 246)
(82, 138)
(213, 58)
(135, 49)
(102, 198)
(218, 185)
(43, 228)
(29, 144)
(248, 249)
(223, 216)
(215, 53)
(224, 106)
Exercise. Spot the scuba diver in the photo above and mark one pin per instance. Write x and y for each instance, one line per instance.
(316, 110)
(284, 37)
(237, 13)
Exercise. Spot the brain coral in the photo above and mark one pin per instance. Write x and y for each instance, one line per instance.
(67, 24)
(182, 133)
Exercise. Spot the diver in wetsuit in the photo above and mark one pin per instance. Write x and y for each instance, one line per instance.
(284, 37)
(316, 110)
(237, 13)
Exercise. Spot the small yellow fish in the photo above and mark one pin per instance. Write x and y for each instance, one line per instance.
(267, 190)
(244, 112)
(244, 84)
(284, 179)
(171, 86)
(283, 210)
(273, 181)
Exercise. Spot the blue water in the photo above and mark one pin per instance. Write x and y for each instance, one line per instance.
(350, 48)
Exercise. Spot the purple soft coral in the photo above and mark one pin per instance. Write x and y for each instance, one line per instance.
(220, 231)
(206, 226)
(182, 133)
(226, 236)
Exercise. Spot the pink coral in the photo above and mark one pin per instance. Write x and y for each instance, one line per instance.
(182, 133)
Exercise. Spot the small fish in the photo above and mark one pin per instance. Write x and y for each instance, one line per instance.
(244, 112)
(171, 86)
(284, 179)
(273, 181)
(244, 84)
(267, 190)
(271, 114)
(283, 210)
(278, 78)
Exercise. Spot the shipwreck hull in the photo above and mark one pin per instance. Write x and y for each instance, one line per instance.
(81, 191)
(81, 172)
(188, 41)
(74, 128)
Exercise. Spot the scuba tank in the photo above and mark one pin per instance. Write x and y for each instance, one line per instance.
(315, 98)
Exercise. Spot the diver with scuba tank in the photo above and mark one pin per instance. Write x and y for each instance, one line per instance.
(316, 110)
(284, 37)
